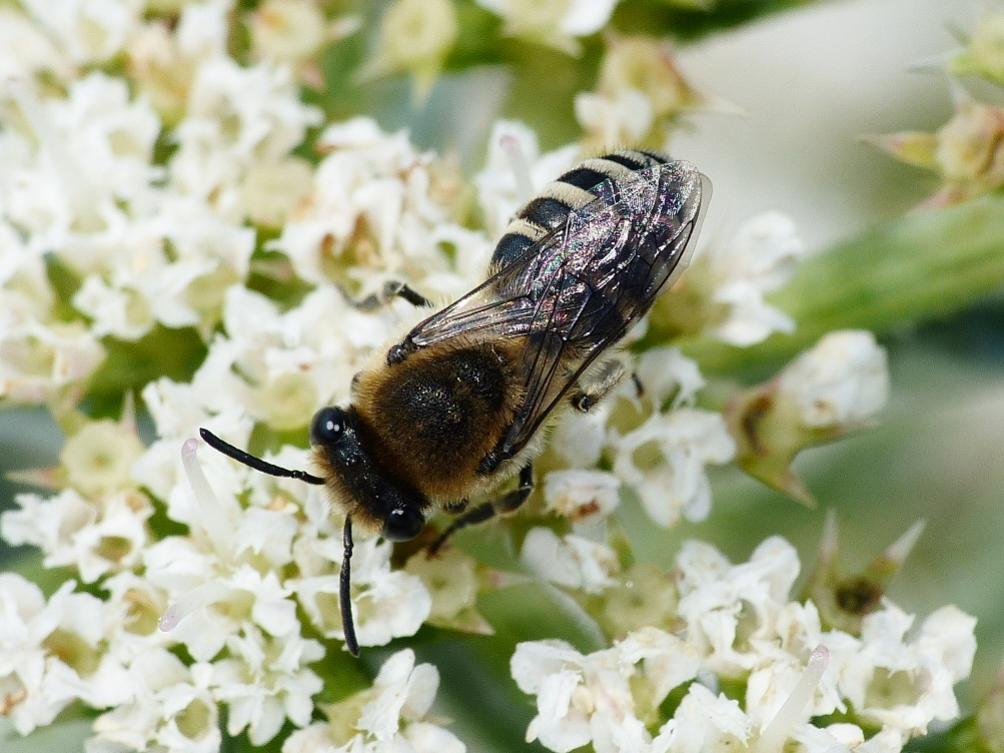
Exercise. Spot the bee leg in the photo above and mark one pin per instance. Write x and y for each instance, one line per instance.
(639, 386)
(401, 290)
(506, 503)
(392, 289)
(584, 397)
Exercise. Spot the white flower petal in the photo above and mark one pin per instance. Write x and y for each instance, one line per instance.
(841, 382)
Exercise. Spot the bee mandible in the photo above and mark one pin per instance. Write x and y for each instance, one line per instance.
(455, 408)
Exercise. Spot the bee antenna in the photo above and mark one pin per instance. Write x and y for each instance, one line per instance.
(257, 463)
(344, 589)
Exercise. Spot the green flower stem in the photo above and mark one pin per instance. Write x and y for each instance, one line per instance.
(692, 19)
(29, 566)
(962, 737)
(66, 734)
(924, 265)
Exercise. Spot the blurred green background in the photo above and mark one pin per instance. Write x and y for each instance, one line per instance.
(810, 80)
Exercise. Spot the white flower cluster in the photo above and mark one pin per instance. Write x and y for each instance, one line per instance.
(557, 23)
(390, 716)
(660, 452)
(177, 195)
(737, 623)
(151, 202)
(723, 293)
(841, 382)
(760, 259)
(380, 209)
(148, 243)
(50, 652)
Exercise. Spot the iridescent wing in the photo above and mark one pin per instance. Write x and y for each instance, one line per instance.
(577, 290)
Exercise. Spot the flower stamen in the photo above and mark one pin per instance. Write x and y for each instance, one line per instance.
(201, 596)
(212, 516)
(780, 727)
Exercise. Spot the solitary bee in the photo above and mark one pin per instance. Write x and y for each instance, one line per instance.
(454, 409)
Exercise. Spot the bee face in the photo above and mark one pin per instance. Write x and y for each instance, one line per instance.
(369, 492)
(402, 524)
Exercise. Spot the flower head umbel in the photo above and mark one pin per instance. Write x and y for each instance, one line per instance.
(965, 153)
(204, 222)
(739, 622)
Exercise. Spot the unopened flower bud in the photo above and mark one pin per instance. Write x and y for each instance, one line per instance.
(640, 93)
(451, 579)
(555, 23)
(990, 718)
(844, 600)
(415, 36)
(967, 151)
(984, 55)
(836, 387)
(287, 31)
(98, 457)
(969, 145)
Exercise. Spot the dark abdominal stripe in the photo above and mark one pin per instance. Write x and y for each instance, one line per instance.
(595, 178)
(574, 189)
(547, 212)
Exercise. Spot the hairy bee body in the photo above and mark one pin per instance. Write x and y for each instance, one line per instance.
(431, 419)
(456, 407)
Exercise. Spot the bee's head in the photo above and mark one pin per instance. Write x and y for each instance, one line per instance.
(374, 495)
(328, 426)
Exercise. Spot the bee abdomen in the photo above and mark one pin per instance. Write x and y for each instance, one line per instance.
(613, 167)
(583, 184)
(592, 179)
(510, 247)
(636, 159)
(548, 211)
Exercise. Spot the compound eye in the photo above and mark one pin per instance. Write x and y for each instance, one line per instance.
(403, 524)
(327, 426)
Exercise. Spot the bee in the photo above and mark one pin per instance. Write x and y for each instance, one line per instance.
(455, 408)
